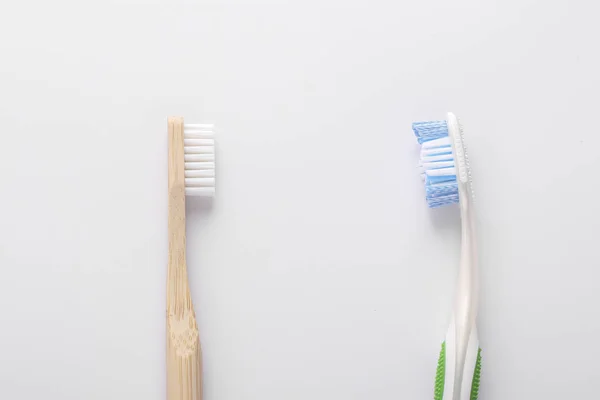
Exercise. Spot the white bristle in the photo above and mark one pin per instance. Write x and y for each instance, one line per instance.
(199, 155)
(445, 157)
(198, 126)
(198, 142)
(199, 165)
(199, 182)
(441, 172)
(441, 142)
(200, 173)
(198, 135)
(439, 164)
(437, 150)
(200, 191)
(198, 149)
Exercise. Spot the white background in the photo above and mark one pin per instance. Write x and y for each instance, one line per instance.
(318, 271)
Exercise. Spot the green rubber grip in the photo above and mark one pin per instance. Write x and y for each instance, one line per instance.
(440, 376)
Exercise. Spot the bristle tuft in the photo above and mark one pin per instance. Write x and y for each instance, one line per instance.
(199, 154)
(430, 130)
(437, 163)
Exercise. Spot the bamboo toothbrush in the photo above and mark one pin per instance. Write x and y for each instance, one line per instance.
(447, 174)
(192, 173)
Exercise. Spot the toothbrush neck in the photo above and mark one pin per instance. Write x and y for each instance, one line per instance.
(177, 281)
(467, 279)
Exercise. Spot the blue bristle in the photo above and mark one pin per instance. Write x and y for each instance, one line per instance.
(437, 181)
(435, 191)
(442, 201)
(429, 130)
(439, 190)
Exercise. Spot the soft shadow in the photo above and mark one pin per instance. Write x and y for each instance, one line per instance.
(446, 217)
(198, 205)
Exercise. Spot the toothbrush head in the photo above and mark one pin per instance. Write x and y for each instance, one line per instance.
(199, 156)
(444, 162)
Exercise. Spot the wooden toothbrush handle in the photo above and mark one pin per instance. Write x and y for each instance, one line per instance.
(184, 364)
(184, 357)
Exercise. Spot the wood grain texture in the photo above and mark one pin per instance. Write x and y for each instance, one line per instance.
(184, 356)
